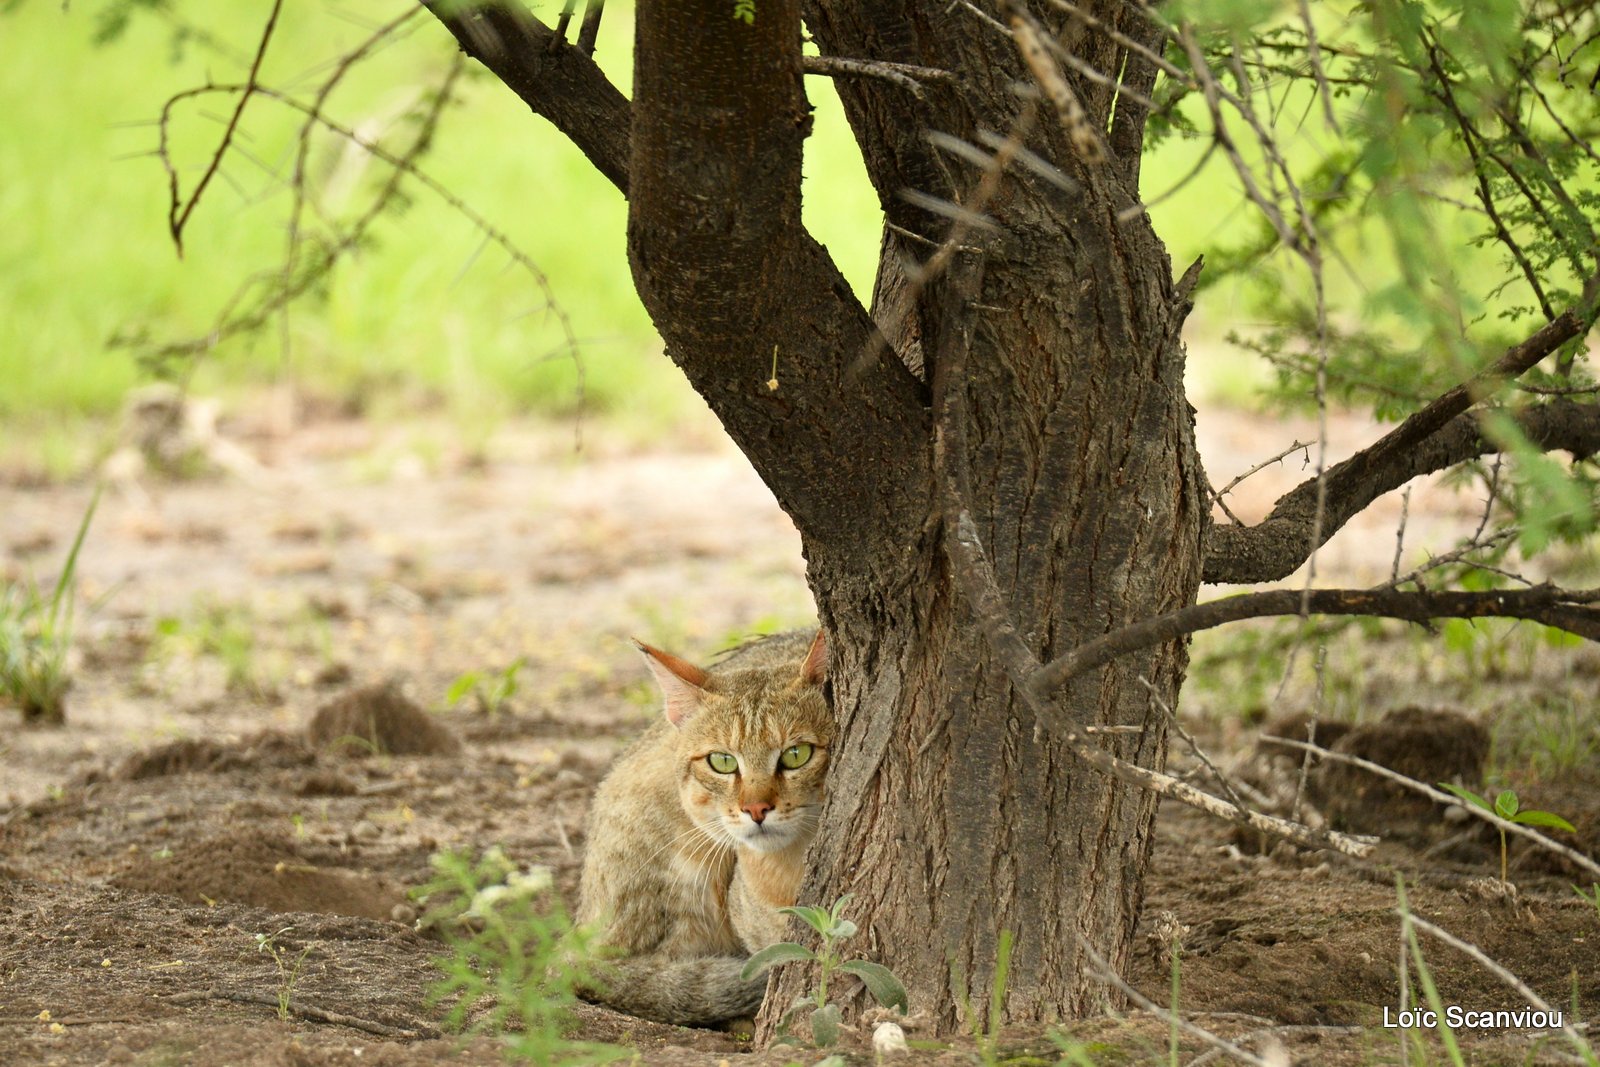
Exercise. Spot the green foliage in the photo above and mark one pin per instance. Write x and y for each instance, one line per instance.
(1507, 807)
(226, 632)
(986, 1031)
(745, 11)
(515, 957)
(1425, 977)
(36, 635)
(490, 689)
(289, 965)
(831, 926)
(1546, 735)
(1591, 897)
(1398, 203)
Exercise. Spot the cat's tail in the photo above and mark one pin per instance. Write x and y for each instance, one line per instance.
(699, 991)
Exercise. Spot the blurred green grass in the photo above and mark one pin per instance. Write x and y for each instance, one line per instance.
(429, 317)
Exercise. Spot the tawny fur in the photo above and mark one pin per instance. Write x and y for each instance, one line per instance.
(683, 879)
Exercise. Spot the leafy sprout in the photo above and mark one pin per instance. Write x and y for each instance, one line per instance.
(834, 929)
(1507, 807)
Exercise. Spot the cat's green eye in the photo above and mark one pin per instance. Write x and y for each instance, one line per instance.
(723, 762)
(795, 756)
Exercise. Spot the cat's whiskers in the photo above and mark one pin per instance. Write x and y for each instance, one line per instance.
(694, 828)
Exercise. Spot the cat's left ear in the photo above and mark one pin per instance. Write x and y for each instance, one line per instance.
(682, 683)
(814, 671)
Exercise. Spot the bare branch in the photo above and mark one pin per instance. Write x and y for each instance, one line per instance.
(1442, 797)
(1274, 547)
(1577, 611)
(557, 81)
(590, 30)
(1081, 134)
(908, 76)
(178, 213)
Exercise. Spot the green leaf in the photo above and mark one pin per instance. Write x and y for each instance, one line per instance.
(838, 906)
(880, 981)
(461, 687)
(816, 918)
(772, 955)
(843, 928)
(1467, 795)
(1505, 805)
(1543, 818)
(825, 1025)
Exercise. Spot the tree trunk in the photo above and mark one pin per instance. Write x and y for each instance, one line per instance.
(951, 815)
(1051, 355)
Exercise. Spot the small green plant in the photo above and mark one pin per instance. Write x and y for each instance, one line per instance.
(1507, 807)
(289, 965)
(834, 929)
(36, 634)
(226, 633)
(986, 1033)
(515, 954)
(1592, 896)
(490, 689)
(1430, 991)
(745, 12)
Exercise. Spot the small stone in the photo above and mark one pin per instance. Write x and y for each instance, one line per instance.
(888, 1039)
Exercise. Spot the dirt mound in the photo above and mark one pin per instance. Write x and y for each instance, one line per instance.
(268, 749)
(379, 720)
(1430, 745)
(262, 869)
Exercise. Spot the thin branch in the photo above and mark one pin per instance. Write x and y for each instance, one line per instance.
(1110, 976)
(1273, 548)
(590, 30)
(178, 214)
(1442, 797)
(1577, 611)
(1030, 38)
(1512, 981)
(908, 76)
(976, 577)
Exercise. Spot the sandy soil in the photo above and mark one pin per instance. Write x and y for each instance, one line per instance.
(187, 807)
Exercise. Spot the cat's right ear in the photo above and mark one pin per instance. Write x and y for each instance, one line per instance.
(682, 683)
(814, 671)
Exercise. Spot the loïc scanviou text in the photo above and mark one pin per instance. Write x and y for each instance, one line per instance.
(1459, 1018)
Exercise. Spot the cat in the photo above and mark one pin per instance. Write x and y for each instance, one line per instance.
(698, 833)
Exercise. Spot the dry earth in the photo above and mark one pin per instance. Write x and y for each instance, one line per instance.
(187, 808)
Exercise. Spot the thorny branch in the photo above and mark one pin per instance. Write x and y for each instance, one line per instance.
(287, 284)
(1274, 547)
(179, 210)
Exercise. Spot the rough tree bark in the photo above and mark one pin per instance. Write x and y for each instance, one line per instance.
(949, 811)
(1039, 372)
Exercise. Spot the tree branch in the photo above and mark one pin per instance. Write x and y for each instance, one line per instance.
(737, 287)
(1274, 547)
(1577, 611)
(556, 80)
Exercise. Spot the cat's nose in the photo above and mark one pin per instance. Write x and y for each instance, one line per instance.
(757, 810)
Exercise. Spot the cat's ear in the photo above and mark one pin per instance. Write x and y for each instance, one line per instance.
(814, 671)
(682, 683)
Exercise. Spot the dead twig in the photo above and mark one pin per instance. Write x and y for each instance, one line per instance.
(1442, 797)
(305, 1011)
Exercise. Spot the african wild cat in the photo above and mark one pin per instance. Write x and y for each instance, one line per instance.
(698, 834)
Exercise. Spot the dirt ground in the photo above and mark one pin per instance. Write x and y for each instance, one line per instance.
(191, 804)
